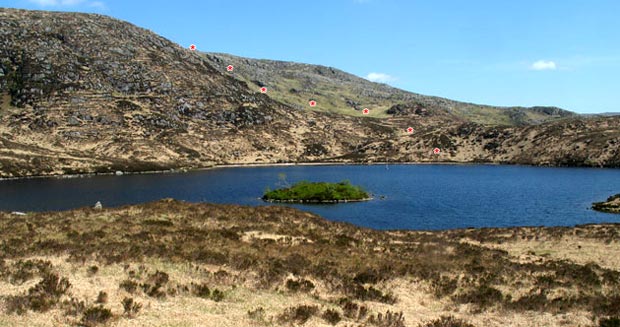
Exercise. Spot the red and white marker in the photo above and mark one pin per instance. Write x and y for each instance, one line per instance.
(192, 47)
(410, 130)
(312, 103)
(230, 68)
(263, 89)
(366, 111)
(436, 150)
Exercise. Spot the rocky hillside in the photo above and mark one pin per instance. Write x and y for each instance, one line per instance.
(90, 93)
(87, 93)
(337, 91)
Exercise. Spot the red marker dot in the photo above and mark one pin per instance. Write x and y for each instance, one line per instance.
(230, 68)
(410, 130)
(263, 89)
(436, 150)
(312, 103)
(192, 47)
(366, 111)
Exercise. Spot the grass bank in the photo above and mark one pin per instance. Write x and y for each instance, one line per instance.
(179, 264)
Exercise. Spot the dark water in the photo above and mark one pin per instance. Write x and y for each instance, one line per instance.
(417, 196)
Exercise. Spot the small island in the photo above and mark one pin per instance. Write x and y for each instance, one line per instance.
(318, 192)
(612, 205)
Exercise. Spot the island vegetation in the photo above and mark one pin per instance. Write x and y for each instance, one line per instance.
(612, 205)
(318, 192)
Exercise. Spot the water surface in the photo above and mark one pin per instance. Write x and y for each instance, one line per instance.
(416, 196)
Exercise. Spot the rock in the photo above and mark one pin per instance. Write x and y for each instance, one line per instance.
(98, 206)
(73, 121)
(612, 205)
(118, 173)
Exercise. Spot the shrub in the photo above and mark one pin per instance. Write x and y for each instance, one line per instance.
(446, 321)
(156, 281)
(131, 308)
(96, 315)
(41, 297)
(92, 270)
(369, 276)
(128, 285)
(299, 314)
(302, 285)
(217, 295)
(73, 307)
(23, 271)
(370, 294)
(201, 290)
(257, 314)
(102, 297)
(352, 310)
(483, 296)
(389, 319)
(609, 322)
(332, 316)
(444, 286)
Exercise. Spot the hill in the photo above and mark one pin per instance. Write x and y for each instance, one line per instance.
(340, 92)
(85, 93)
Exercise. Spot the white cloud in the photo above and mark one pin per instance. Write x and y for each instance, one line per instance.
(544, 65)
(380, 77)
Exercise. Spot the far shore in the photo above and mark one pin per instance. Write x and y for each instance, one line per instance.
(274, 164)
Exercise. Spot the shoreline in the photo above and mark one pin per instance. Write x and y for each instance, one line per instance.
(316, 201)
(287, 164)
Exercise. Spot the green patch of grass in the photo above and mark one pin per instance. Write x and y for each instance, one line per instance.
(318, 192)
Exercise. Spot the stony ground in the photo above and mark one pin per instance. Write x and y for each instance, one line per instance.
(171, 263)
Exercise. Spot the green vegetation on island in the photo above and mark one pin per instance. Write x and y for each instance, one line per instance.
(318, 192)
(612, 205)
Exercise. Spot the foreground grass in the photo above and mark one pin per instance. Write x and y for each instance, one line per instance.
(318, 192)
(177, 264)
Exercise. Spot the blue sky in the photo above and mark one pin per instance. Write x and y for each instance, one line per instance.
(547, 52)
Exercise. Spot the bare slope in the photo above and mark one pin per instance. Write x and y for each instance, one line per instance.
(337, 91)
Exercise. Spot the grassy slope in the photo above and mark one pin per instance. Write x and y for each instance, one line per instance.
(275, 266)
(296, 83)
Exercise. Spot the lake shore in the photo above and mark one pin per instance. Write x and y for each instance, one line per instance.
(275, 164)
(231, 265)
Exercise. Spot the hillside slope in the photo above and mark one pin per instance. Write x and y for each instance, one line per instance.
(84, 93)
(340, 92)
(90, 93)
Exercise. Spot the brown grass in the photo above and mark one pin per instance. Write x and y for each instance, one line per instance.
(223, 265)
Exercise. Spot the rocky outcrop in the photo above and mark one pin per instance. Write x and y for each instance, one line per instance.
(612, 205)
